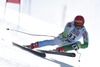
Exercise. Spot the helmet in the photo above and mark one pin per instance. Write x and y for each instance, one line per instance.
(79, 20)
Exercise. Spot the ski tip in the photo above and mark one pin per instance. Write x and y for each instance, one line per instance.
(13, 43)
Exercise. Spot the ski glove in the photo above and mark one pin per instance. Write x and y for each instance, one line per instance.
(75, 47)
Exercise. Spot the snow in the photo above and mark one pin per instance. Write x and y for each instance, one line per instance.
(11, 56)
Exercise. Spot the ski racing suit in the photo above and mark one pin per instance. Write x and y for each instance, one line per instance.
(68, 37)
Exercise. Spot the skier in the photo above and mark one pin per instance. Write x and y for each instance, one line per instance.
(68, 39)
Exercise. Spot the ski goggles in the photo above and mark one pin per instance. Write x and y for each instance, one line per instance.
(78, 24)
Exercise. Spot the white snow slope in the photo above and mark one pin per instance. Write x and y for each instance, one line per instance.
(11, 56)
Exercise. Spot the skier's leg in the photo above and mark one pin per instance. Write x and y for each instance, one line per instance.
(67, 47)
(44, 43)
(54, 41)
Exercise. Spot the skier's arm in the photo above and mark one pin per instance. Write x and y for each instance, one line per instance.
(85, 40)
(66, 30)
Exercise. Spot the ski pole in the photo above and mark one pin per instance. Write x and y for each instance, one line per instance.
(79, 56)
(29, 33)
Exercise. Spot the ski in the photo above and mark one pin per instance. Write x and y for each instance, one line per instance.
(42, 53)
(59, 53)
(37, 53)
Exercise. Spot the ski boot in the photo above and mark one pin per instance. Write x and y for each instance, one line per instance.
(32, 45)
(59, 49)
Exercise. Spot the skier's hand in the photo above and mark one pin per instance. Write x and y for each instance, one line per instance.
(75, 47)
